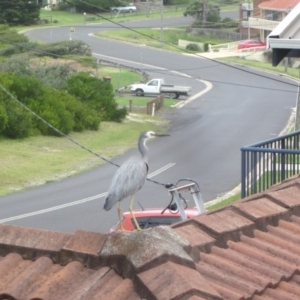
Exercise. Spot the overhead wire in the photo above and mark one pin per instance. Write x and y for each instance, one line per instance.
(174, 46)
(159, 71)
(167, 185)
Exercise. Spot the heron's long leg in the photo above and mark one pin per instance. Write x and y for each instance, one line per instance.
(119, 214)
(133, 217)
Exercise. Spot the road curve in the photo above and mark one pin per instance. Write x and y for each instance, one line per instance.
(242, 107)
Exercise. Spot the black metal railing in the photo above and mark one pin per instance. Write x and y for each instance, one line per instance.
(269, 162)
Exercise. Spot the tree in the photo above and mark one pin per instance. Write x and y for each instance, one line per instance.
(97, 95)
(19, 12)
(205, 14)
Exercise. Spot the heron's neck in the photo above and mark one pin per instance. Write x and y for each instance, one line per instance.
(143, 149)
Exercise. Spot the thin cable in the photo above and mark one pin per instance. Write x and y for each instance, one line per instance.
(174, 46)
(176, 70)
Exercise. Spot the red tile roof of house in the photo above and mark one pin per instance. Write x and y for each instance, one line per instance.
(278, 4)
(247, 250)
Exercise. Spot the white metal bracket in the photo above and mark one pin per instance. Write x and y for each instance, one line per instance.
(196, 196)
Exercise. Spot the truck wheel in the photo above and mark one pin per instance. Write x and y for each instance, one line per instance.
(139, 92)
(174, 95)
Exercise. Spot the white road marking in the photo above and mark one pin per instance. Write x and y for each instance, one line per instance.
(53, 208)
(166, 167)
(207, 89)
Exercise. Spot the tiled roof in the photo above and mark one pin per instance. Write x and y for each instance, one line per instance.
(247, 250)
(278, 4)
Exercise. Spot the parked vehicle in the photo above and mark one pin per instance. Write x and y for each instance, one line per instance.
(125, 8)
(157, 86)
(251, 44)
(152, 217)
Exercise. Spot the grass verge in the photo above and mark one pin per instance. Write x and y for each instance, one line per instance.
(38, 160)
(153, 37)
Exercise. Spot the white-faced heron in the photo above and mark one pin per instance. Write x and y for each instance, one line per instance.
(130, 177)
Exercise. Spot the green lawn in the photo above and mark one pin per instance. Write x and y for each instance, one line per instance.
(37, 160)
(123, 100)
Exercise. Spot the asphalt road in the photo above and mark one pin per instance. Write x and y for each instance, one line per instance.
(243, 106)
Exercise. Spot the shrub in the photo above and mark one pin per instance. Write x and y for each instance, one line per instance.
(17, 49)
(19, 123)
(63, 48)
(193, 47)
(12, 36)
(3, 117)
(229, 23)
(96, 94)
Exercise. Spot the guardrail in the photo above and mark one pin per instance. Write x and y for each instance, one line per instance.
(269, 162)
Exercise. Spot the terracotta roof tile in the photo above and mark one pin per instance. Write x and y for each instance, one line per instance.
(83, 246)
(278, 4)
(223, 225)
(196, 237)
(288, 197)
(262, 212)
(42, 279)
(249, 250)
(172, 281)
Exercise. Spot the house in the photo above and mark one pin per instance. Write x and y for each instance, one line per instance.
(263, 16)
(284, 40)
(247, 250)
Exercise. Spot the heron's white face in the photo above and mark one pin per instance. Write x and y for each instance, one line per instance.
(150, 134)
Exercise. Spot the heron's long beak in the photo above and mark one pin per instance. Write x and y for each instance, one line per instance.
(161, 134)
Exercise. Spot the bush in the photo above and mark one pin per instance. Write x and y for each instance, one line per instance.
(17, 49)
(12, 36)
(3, 117)
(97, 95)
(60, 109)
(19, 123)
(229, 23)
(193, 47)
(61, 6)
(64, 48)
(54, 76)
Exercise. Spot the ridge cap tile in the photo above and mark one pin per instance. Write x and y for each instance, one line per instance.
(145, 249)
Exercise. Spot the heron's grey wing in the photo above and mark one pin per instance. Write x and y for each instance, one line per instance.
(128, 179)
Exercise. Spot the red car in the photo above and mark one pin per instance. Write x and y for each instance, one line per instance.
(251, 44)
(152, 217)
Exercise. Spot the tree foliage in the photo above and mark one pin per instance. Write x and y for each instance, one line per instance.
(58, 108)
(97, 94)
(19, 12)
(205, 13)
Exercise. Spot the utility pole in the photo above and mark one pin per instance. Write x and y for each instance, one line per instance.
(204, 13)
(161, 22)
(147, 8)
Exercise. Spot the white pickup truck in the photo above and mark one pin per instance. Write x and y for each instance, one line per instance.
(157, 86)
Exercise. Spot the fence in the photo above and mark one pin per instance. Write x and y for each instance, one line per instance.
(223, 34)
(151, 106)
(269, 162)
